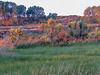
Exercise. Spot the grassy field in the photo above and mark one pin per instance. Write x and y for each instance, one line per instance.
(80, 59)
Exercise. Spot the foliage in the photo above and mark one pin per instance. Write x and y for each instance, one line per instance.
(24, 46)
(43, 26)
(21, 12)
(59, 26)
(45, 41)
(81, 24)
(19, 32)
(35, 11)
(12, 35)
(74, 25)
(89, 36)
(61, 35)
(51, 23)
(21, 9)
(8, 12)
(70, 32)
(92, 14)
(52, 15)
(89, 27)
(43, 38)
(97, 32)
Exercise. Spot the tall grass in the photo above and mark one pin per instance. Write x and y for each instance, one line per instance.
(78, 59)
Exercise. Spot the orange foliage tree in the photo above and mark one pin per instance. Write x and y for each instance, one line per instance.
(8, 13)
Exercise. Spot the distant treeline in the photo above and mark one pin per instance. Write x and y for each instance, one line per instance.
(13, 14)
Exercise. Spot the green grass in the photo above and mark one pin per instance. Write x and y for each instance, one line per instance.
(52, 60)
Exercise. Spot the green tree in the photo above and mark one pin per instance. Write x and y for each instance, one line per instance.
(52, 15)
(35, 11)
(21, 11)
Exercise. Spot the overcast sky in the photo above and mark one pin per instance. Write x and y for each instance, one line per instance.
(61, 7)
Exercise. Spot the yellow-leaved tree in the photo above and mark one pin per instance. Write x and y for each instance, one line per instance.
(12, 36)
(74, 25)
(19, 32)
(59, 26)
(89, 27)
(51, 24)
(89, 36)
(97, 32)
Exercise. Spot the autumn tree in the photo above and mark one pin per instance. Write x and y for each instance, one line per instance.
(8, 12)
(87, 14)
(19, 32)
(92, 14)
(74, 25)
(51, 24)
(12, 35)
(97, 32)
(98, 13)
(89, 36)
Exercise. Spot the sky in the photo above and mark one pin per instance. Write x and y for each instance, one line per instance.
(61, 7)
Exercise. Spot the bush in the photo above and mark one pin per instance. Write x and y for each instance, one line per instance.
(28, 45)
(45, 41)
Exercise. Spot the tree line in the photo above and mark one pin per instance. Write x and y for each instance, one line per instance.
(11, 13)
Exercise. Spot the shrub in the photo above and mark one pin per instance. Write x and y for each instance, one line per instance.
(28, 45)
(89, 36)
(59, 26)
(12, 36)
(43, 26)
(70, 32)
(89, 27)
(18, 32)
(61, 35)
(44, 40)
(97, 32)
